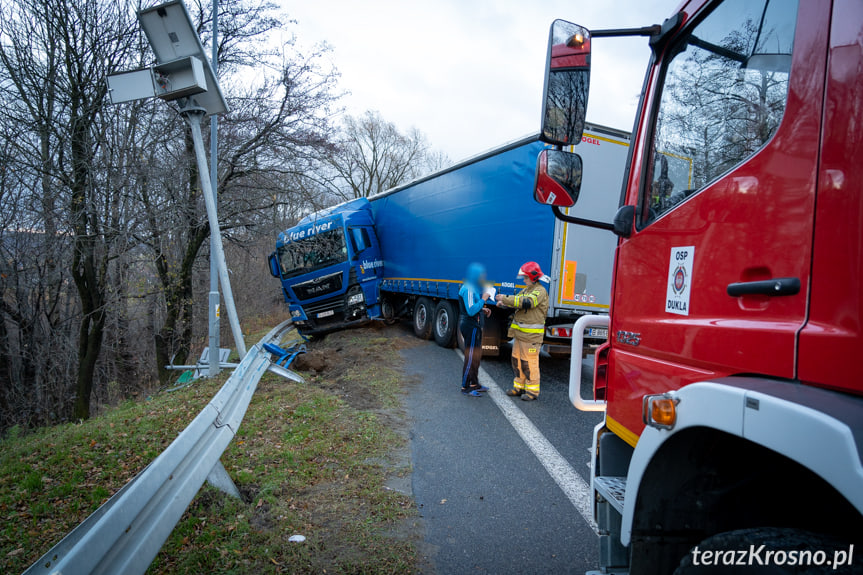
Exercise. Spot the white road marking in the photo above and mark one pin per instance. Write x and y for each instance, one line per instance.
(573, 486)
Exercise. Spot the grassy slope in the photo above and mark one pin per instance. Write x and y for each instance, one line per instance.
(309, 459)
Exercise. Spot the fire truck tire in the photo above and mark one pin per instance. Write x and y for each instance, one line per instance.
(445, 323)
(776, 541)
(423, 318)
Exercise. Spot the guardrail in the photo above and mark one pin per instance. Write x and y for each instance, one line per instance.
(127, 531)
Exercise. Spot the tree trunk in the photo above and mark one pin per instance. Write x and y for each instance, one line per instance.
(173, 341)
(89, 264)
(91, 294)
(176, 334)
(91, 334)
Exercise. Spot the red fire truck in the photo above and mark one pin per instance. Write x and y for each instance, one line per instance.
(731, 381)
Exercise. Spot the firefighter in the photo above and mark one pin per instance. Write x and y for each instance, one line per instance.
(527, 329)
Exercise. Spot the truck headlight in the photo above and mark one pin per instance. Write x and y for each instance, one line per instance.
(296, 313)
(356, 299)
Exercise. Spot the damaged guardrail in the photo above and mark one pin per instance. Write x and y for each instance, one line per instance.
(127, 531)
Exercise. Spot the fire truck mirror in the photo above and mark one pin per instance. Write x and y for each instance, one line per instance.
(558, 178)
(567, 81)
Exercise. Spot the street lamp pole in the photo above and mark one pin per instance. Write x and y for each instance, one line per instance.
(193, 116)
(214, 342)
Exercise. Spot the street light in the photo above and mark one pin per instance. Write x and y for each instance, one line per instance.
(183, 74)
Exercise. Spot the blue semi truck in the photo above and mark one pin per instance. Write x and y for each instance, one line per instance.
(403, 253)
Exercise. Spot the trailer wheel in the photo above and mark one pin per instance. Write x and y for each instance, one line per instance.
(423, 314)
(445, 323)
(772, 539)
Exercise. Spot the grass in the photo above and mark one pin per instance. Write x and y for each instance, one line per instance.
(309, 459)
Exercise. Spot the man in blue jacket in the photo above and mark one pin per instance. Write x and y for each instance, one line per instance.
(471, 299)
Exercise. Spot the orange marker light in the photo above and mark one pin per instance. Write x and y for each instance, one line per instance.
(660, 411)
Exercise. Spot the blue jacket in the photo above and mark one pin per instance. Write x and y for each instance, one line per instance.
(471, 299)
(470, 296)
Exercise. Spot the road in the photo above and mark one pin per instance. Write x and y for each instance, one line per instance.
(490, 504)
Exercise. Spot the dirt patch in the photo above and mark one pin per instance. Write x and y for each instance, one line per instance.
(262, 518)
(346, 363)
(314, 361)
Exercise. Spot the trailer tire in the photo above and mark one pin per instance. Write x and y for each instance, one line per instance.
(445, 323)
(771, 538)
(423, 318)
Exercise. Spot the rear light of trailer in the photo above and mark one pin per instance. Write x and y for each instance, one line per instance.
(553, 331)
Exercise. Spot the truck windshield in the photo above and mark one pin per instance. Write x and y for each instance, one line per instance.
(314, 253)
(724, 95)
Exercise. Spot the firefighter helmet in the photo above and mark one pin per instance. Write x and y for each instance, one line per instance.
(531, 270)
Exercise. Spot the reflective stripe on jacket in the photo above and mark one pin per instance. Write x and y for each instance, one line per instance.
(528, 323)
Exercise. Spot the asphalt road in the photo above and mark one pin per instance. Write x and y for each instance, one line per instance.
(488, 503)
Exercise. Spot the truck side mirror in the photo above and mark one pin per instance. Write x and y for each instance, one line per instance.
(567, 81)
(274, 266)
(558, 178)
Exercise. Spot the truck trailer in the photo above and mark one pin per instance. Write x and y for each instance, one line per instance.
(732, 440)
(403, 253)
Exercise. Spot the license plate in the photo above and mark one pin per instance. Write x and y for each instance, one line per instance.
(597, 332)
(326, 313)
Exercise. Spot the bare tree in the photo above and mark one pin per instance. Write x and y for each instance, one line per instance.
(374, 156)
(55, 55)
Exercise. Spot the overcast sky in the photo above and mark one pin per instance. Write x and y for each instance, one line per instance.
(468, 73)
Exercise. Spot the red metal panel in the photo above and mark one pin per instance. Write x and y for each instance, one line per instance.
(832, 342)
(756, 222)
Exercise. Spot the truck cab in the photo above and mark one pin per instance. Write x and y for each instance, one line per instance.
(329, 266)
(729, 384)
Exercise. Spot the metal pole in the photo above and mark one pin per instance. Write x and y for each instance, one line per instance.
(214, 180)
(193, 116)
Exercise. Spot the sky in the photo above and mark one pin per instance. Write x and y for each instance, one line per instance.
(469, 73)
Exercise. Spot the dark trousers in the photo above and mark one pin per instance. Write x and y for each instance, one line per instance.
(472, 335)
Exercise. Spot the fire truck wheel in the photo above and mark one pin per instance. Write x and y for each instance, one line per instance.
(769, 551)
(423, 318)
